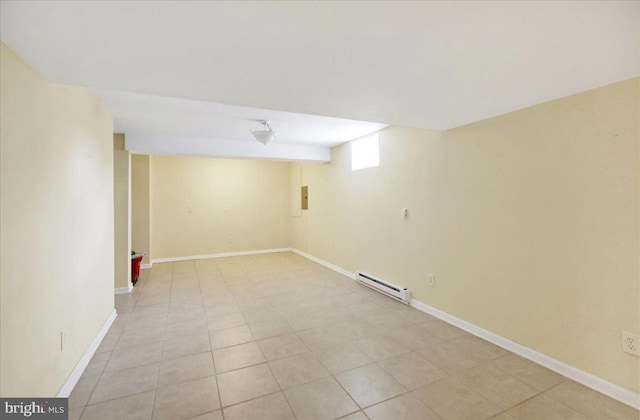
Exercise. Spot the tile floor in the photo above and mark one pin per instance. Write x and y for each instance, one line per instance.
(276, 336)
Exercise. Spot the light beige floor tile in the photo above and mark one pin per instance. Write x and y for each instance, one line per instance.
(453, 401)
(389, 320)
(139, 337)
(185, 369)
(283, 346)
(414, 337)
(150, 298)
(121, 321)
(158, 309)
(528, 372)
(307, 321)
(218, 299)
(269, 407)
(478, 348)
(220, 322)
(186, 303)
(76, 413)
(147, 321)
(415, 316)
(359, 415)
(128, 357)
(97, 364)
(250, 296)
(389, 304)
(590, 402)
(283, 299)
(411, 370)
(236, 357)
(404, 407)
(380, 347)
(342, 357)
(320, 337)
(496, 386)
(213, 415)
(297, 370)
(448, 357)
(124, 308)
(257, 315)
(366, 308)
(134, 407)
(292, 309)
(184, 328)
(82, 391)
(442, 329)
(222, 309)
(309, 401)
(369, 385)
(503, 416)
(185, 346)
(246, 384)
(109, 342)
(230, 337)
(350, 299)
(543, 407)
(121, 383)
(269, 329)
(187, 399)
(212, 289)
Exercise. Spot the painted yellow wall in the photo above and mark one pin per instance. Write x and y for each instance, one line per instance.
(529, 222)
(140, 221)
(122, 212)
(236, 205)
(56, 202)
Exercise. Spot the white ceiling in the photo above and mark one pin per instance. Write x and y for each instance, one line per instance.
(426, 64)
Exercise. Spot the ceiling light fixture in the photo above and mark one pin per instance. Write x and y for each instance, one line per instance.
(266, 135)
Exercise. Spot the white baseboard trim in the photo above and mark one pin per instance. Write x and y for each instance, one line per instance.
(77, 371)
(326, 264)
(123, 290)
(146, 266)
(589, 380)
(221, 255)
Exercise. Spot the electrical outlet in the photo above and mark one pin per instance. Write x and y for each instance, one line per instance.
(631, 343)
(431, 278)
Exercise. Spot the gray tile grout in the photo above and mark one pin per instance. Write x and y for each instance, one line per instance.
(215, 374)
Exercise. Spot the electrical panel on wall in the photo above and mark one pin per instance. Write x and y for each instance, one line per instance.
(305, 197)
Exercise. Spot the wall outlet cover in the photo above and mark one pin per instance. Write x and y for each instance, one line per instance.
(631, 343)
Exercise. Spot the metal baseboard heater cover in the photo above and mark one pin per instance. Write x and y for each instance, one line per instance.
(399, 293)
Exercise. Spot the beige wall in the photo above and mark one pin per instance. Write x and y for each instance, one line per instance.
(122, 212)
(140, 200)
(236, 205)
(56, 202)
(529, 221)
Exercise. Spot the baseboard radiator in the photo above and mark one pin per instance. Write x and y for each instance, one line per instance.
(399, 293)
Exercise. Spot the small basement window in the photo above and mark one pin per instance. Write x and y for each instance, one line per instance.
(365, 153)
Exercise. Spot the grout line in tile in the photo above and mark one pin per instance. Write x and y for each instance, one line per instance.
(215, 375)
(123, 396)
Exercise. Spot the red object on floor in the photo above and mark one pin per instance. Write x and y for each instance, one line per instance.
(135, 267)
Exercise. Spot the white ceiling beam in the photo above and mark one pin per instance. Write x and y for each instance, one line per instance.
(206, 147)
